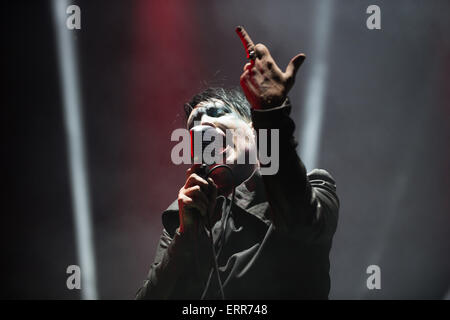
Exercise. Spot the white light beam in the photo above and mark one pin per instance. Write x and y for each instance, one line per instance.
(316, 88)
(67, 59)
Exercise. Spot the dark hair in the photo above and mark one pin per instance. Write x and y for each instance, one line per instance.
(233, 98)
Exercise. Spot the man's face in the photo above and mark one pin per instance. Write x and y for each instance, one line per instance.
(216, 114)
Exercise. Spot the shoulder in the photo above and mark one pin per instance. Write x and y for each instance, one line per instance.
(323, 187)
(170, 218)
(320, 174)
(321, 178)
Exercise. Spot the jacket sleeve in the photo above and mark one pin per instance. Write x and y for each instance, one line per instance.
(303, 206)
(171, 256)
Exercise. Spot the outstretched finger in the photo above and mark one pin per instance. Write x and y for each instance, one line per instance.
(246, 40)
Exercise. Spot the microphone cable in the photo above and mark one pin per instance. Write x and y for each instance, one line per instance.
(215, 268)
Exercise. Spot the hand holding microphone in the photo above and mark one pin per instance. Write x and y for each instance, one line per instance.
(196, 200)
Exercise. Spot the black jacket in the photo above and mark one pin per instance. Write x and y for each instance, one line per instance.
(277, 240)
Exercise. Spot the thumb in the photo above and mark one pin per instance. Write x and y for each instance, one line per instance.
(294, 65)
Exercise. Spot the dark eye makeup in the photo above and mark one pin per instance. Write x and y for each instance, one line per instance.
(213, 111)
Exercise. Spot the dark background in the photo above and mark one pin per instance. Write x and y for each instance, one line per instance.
(384, 137)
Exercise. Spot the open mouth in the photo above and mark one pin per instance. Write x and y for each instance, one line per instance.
(211, 138)
(226, 150)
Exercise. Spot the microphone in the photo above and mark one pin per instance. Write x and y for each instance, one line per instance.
(212, 162)
(203, 136)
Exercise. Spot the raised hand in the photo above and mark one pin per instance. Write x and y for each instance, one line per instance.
(265, 85)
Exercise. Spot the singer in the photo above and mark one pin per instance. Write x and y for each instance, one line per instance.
(235, 233)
